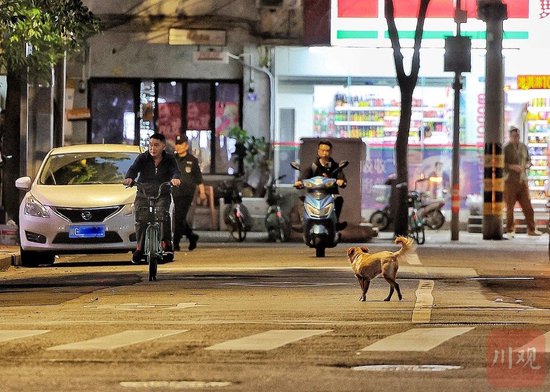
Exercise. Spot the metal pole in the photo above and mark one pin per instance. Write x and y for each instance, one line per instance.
(455, 191)
(493, 12)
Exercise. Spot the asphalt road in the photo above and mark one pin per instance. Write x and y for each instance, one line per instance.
(256, 316)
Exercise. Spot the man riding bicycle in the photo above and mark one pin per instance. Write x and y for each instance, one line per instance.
(153, 167)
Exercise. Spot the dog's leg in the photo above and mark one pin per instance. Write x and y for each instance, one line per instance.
(393, 285)
(361, 284)
(366, 284)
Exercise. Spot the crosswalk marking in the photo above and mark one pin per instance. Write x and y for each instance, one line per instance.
(8, 335)
(422, 312)
(117, 340)
(417, 339)
(268, 340)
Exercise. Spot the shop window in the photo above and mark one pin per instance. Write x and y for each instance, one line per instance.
(146, 111)
(113, 113)
(169, 120)
(227, 117)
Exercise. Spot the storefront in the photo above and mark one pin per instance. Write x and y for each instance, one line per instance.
(345, 92)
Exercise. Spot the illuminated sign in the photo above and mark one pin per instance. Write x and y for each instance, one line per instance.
(362, 22)
(532, 82)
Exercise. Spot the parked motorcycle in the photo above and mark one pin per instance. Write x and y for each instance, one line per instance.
(319, 217)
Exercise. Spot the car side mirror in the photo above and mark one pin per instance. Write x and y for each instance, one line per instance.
(295, 165)
(23, 183)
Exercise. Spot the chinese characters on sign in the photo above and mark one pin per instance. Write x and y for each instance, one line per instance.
(532, 82)
(516, 358)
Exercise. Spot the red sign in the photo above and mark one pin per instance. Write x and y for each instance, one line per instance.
(436, 9)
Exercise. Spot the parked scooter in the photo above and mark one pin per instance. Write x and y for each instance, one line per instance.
(319, 218)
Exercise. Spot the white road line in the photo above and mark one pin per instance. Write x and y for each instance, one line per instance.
(268, 340)
(117, 340)
(417, 339)
(8, 335)
(413, 259)
(422, 312)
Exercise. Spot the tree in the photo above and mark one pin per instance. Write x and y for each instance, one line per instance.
(34, 36)
(407, 84)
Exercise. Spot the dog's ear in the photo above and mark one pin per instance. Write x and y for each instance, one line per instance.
(364, 249)
(351, 252)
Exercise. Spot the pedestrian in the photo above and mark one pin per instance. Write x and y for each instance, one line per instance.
(191, 178)
(325, 166)
(516, 188)
(153, 167)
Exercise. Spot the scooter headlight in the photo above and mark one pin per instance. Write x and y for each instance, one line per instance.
(312, 211)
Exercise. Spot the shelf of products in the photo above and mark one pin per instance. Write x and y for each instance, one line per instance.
(377, 119)
(537, 139)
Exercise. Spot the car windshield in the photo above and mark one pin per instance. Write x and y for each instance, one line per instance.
(86, 168)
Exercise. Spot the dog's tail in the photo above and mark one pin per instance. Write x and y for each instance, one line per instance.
(406, 245)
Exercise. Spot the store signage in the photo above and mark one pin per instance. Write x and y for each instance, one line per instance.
(210, 57)
(533, 82)
(362, 22)
(197, 37)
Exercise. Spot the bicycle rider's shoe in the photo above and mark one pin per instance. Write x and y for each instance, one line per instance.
(137, 256)
(341, 225)
(193, 238)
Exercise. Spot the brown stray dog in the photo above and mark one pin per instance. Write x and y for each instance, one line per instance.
(369, 265)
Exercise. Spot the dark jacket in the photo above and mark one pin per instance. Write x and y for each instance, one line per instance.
(150, 177)
(191, 175)
(317, 169)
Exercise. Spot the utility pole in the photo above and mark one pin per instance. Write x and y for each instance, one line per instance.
(457, 59)
(493, 12)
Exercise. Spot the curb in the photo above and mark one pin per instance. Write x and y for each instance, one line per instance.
(7, 259)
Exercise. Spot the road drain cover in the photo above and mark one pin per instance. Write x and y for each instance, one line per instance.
(406, 368)
(175, 384)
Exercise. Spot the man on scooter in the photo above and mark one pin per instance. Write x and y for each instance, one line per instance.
(325, 166)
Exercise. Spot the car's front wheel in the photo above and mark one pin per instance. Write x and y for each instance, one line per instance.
(34, 259)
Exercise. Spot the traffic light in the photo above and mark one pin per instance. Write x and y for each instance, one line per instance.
(458, 54)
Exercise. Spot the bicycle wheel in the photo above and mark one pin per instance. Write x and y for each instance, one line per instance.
(416, 229)
(284, 229)
(380, 219)
(152, 245)
(238, 230)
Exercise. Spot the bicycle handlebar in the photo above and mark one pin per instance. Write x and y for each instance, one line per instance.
(159, 192)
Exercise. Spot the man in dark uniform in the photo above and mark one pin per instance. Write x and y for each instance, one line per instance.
(191, 177)
(325, 166)
(154, 167)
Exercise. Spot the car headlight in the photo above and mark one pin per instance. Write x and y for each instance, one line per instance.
(34, 208)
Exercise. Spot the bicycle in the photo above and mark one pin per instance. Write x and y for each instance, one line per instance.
(236, 215)
(276, 225)
(153, 216)
(416, 222)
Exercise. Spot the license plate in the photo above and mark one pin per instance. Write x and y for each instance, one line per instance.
(87, 231)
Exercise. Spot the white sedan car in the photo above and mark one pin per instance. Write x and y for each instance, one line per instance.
(77, 203)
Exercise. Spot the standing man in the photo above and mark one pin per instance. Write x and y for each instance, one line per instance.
(325, 166)
(191, 177)
(516, 189)
(153, 167)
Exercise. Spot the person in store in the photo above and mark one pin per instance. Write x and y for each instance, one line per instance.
(191, 178)
(516, 188)
(325, 166)
(153, 167)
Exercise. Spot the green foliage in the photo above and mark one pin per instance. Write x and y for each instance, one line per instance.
(35, 34)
